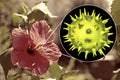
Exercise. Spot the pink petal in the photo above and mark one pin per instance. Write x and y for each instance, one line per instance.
(35, 63)
(19, 39)
(51, 51)
(40, 32)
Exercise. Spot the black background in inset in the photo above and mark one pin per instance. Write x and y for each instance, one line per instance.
(89, 8)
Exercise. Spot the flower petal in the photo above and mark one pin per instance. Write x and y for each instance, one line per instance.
(40, 32)
(35, 63)
(51, 51)
(19, 39)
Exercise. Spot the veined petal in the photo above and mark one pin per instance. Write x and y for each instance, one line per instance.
(40, 32)
(51, 51)
(35, 63)
(19, 39)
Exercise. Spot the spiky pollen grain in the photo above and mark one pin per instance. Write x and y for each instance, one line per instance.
(88, 33)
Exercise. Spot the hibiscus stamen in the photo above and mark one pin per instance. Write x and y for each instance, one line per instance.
(53, 32)
(39, 48)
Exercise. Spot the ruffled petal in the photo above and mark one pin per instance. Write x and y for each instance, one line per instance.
(51, 51)
(19, 39)
(40, 32)
(35, 62)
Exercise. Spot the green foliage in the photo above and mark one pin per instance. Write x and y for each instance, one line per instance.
(63, 74)
(60, 73)
(6, 63)
(69, 75)
(5, 44)
(18, 18)
(14, 77)
(4, 38)
(115, 10)
(21, 74)
(35, 78)
(35, 15)
(7, 7)
(70, 65)
(86, 76)
(5, 13)
(25, 8)
(38, 12)
(55, 71)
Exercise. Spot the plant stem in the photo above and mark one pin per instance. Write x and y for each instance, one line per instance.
(70, 65)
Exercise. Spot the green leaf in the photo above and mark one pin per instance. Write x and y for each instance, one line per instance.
(6, 62)
(35, 16)
(55, 71)
(70, 65)
(85, 76)
(115, 11)
(43, 8)
(19, 18)
(14, 77)
(39, 12)
(33, 77)
(69, 75)
(25, 8)
(4, 38)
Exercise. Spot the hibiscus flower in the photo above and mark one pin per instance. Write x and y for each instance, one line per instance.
(34, 50)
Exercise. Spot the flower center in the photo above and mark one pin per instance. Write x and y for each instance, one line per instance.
(30, 51)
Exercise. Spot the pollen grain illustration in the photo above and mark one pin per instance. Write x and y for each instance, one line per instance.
(88, 33)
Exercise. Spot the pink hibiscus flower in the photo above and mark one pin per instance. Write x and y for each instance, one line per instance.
(34, 50)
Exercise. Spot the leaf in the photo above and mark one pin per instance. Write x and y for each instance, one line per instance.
(4, 38)
(14, 77)
(6, 62)
(116, 75)
(85, 76)
(33, 77)
(35, 16)
(43, 8)
(55, 71)
(115, 11)
(25, 8)
(5, 43)
(69, 75)
(39, 12)
(70, 65)
(19, 18)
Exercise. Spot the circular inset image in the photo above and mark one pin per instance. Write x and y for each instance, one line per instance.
(88, 33)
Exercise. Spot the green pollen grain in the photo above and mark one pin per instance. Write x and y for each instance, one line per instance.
(87, 33)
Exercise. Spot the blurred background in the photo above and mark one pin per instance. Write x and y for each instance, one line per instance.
(98, 70)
